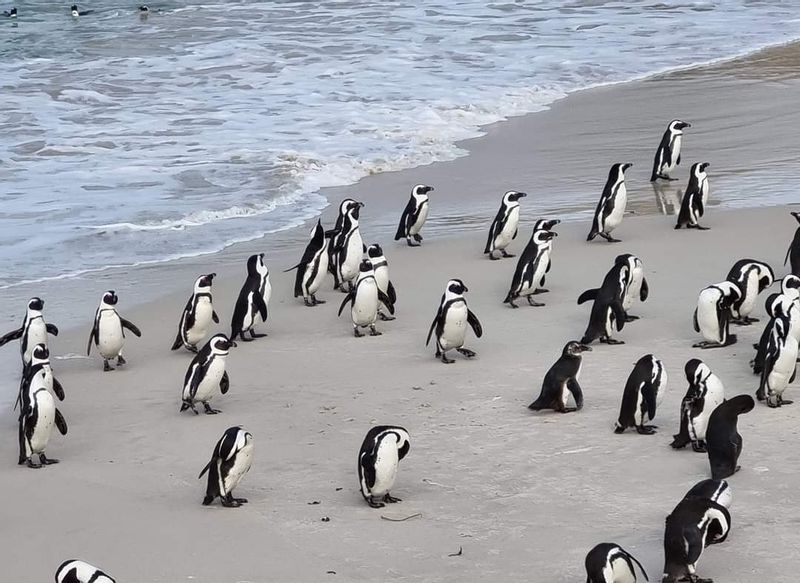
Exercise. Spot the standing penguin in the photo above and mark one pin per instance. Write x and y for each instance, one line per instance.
(607, 311)
(381, 268)
(783, 308)
(751, 277)
(347, 247)
(451, 322)
(34, 330)
(76, 571)
(644, 391)
(779, 362)
(668, 154)
(694, 199)
(561, 381)
(414, 216)
(611, 207)
(205, 374)
(504, 226)
(38, 375)
(197, 315)
(230, 461)
(253, 300)
(313, 266)
(635, 284)
(715, 308)
(531, 268)
(610, 563)
(793, 252)
(382, 449)
(705, 393)
(365, 298)
(108, 331)
(38, 415)
(723, 441)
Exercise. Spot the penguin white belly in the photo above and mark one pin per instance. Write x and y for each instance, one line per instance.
(202, 321)
(321, 260)
(750, 294)
(210, 383)
(110, 339)
(250, 316)
(672, 163)
(46, 410)
(707, 315)
(506, 234)
(266, 291)
(365, 307)
(621, 572)
(564, 394)
(386, 462)
(784, 367)
(614, 218)
(455, 326)
(352, 258)
(609, 322)
(705, 191)
(241, 465)
(37, 334)
(634, 288)
(541, 269)
(416, 227)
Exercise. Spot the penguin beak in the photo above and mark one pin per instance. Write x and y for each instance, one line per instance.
(687, 125)
(626, 166)
(360, 204)
(522, 194)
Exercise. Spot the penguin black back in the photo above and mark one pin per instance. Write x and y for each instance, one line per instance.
(793, 252)
(608, 297)
(562, 377)
(722, 437)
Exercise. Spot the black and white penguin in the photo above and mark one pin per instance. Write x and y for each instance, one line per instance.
(793, 252)
(778, 367)
(230, 461)
(751, 277)
(252, 301)
(716, 305)
(347, 247)
(366, 298)
(414, 216)
(532, 267)
(635, 285)
(206, 373)
(73, 10)
(668, 154)
(450, 323)
(313, 266)
(783, 307)
(10, 13)
(381, 268)
(34, 330)
(381, 451)
(607, 311)
(610, 563)
(197, 315)
(705, 393)
(561, 381)
(76, 571)
(504, 226)
(611, 207)
(38, 416)
(718, 491)
(723, 442)
(108, 331)
(37, 375)
(693, 203)
(644, 391)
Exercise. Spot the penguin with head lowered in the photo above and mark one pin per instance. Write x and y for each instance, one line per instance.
(108, 331)
(793, 252)
(668, 153)
(76, 571)
(635, 284)
(644, 391)
(607, 311)
(751, 277)
(313, 266)
(723, 441)
(504, 226)
(450, 323)
(205, 374)
(347, 247)
(197, 315)
(611, 206)
(561, 381)
(693, 203)
(381, 451)
(34, 330)
(366, 298)
(705, 393)
(252, 301)
(38, 416)
(38, 375)
(610, 563)
(381, 269)
(231, 460)
(414, 216)
(532, 266)
(716, 305)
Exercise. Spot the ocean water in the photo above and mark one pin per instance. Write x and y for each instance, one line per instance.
(126, 140)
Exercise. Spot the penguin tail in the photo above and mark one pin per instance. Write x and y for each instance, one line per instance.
(208, 500)
(591, 235)
(178, 342)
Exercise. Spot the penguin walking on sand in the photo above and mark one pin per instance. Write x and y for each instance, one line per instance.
(197, 315)
(108, 331)
(450, 323)
(381, 451)
(38, 375)
(34, 330)
(561, 381)
(366, 298)
(381, 268)
(347, 247)
(607, 311)
(793, 252)
(668, 153)
(693, 203)
(38, 416)
(504, 226)
(313, 266)
(231, 460)
(611, 207)
(751, 277)
(705, 393)
(644, 391)
(715, 308)
(252, 301)
(532, 267)
(205, 374)
(635, 285)
(610, 563)
(76, 571)
(723, 442)
(783, 308)
(414, 216)
(779, 361)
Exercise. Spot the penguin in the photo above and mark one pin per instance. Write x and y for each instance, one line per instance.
(779, 363)
(723, 441)
(635, 284)
(365, 298)
(532, 267)
(205, 374)
(644, 391)
(10, 13)
(693, 203)
(450, 323)
(504, 226)
(715, 308)
(562, 380)
(718, 491)
(38, 415)
(75, 12)
(751, 277)
(38, 375)
(414, 216)
(694, 524)
(381, 268)
(197, 315)
(610, 563)
(705, 393)
(252, 301)
(668, 153)
(34, 330)
(313, 266)
(607, 311)
(793, 252)
(347, 247)
(382, 449)
(611, 207)
(231, 460)
(782, 307)
(108, 331)
(76, 571)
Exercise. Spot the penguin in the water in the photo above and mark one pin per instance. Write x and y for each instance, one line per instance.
(778, 367)
(381, 451)
(34, 330)
(230, 461)
(38, 374)
(715, 308)
(197, 315)
(38, 415)
(610, 563)
(77, 571)
(793, 252)
(366, 298)
(723, 442)
(668, 154)
(313, 266)
(694, 199)
(531, 268)
(450, 323)
(253, 300)
(644, 391)
(381, 268)
(75, 12)
(751, 277)
(611, 207)
(705, 393)
(347, 247)
(561, 381)
(414, 216)
(607, 311)
(108, 331)
(205, 374)
(718, 491)
(10, 13)
(635, 284)
(505, 224)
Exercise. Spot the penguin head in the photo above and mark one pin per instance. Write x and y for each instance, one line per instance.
(421, 189)
(220, 344)
(203, 283)
(545, 224)
(74, 10)
(366, 266)
(12, 13)
(144, 8)
(40, 355)
(513, 196)
(255, 265)
(766, 277)
(694, 370)
(344, 206)
(374, 251)
(354, 209)
(456, 287)
(617, 171)
(36, 304)
(796, 215)
(573, 348)
(677, 126)
(788, 283)
(110, 298)
(542, 236)
(699, 168)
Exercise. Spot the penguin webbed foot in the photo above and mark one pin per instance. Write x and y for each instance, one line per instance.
(121, 361)
(240, 500)
(391, 499)
(33, 465)
(534, 303)
(356, 333)
(492, 257)
(418, 238)
(48, 461)
(609, 238)
(412, 242)
(619, 429)
(611, 341)
(444, 359)
(384, 317)
(229, 502)
(646, 429)
(506, 254)
(209, 410)
(246, 339)
(466, 352)
(511, 303)
(253, 335)
(629, 318)
(373, 331)
(318, 301)
(373, 504)
(106, 367)
(568, 410)
(699, 447)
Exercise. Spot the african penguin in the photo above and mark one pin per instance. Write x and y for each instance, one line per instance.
(38, 415)
(34, 330)
(715, 308)
(635, 285)
(718, 491)
(108, 331)
(532, 267)
(313, 266)
(668, 153)
(75, 12)
(230, 461)
(347, 247)
(610, 563)
(366, 298)
(38, 374)
(723, 442)
(10, 13)
(205, 374)
(382, 449)
(751, 277)
(607, 311)
(793, 252)
(197, 315)
(705, 393)
(561, 381)
(252, 301)
(644, 391)
(782, 307)
(450, 323)
(778, 367)
(414, 216)
(504, 226)
(76, 571)
(381, 268)
(611, 206)
(693, 203)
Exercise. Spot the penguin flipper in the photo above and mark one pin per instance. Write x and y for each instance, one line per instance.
(493, 230)
(785, 259)
(619, 314)
(635, 560)
(224, 383)
(696, 323)
(649, 394)
(214, 317)
(178, 342)
(390, 291)
(261, 305)
(589, 294)
(433, 325)
(92, 336)
(205, 469)
(13, 335)
(61, 423)
(577, 393)
(57, 389)
(131, 326)
(644, 291)
(367, 462)
(473, 321)
(682, 439)
(387, 301)
(350, 297)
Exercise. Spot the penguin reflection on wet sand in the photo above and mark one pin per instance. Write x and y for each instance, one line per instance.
(723, 441)
(611, 206)
(450, 323)
(644, 391)
(561, 381)
(610, 563)
(705, 393)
